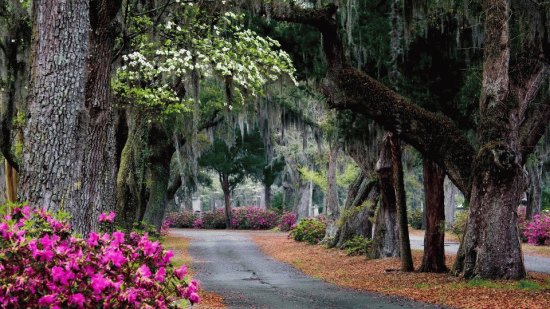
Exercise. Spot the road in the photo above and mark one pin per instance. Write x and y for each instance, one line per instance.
(532, 262)
(230, 264)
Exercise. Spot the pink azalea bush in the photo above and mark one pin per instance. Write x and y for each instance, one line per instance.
(538, 230)
(287, 221)
(198, 224)
(184, 219)
(253, 218)
(43, 265)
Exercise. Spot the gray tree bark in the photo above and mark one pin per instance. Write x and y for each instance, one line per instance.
(332, 207)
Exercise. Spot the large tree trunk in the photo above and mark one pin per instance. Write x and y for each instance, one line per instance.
(98, 185)
(224, 181)
(55, 134)
(386, 231)
(491, 247)
(332, 208)
(359, 209)
(267, 196)
(434, 237)
(400, 200)
(303, 199)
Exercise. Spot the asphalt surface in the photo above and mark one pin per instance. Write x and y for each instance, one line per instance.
(532, 262)
(230, 264)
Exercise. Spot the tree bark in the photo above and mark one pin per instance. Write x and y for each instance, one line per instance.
(450, 201)
(359, 209)
(224, 181)
(11, 182)
(400, 200)
(55, 134)
(434, 238)
(332, 208)
(267, 196)
(386, 231)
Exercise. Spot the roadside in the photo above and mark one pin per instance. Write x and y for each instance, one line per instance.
(383, 276)
(180, 246)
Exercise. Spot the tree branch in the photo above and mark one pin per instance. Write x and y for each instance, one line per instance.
(345, 87)
(534, 128)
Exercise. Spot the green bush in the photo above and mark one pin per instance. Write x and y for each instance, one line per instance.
(459, 225)
(416, 217)
(310, 230)
(358, 245)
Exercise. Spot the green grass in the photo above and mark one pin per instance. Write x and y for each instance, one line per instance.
(482, 283)
(528, 285)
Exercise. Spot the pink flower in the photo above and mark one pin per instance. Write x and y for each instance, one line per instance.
(194, 298)
(118, 237)
(77, 300)
(144, 271)
(168, 256)
(160, 274)
(47, 300)
(104, 217)
(99, 283)
(115, 256)
(92, 239)
(180, 272)
(62, 276)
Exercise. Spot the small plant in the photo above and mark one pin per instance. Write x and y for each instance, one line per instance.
(310, 230)
(358, 245)
(416, 216)
(538, 230)
(253, 218)
(198, 224)
(288, 220)
(459, 225)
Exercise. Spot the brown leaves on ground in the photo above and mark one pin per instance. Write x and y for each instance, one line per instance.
(382, 276)
(179, 245)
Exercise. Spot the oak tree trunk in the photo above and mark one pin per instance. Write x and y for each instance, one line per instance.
(434, 251)
(267, 196)
(224, 181)
(400, 200)
(55, 133)
(386, 231)
(332, 208)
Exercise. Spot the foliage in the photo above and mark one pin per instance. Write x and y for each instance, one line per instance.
(253, 218)
(416, 216)
(522, 222)
(196, 41)
(277, 202)
(459, 225)
(288, 221)
(213, 219)
(538, 230)
(43, 265)
(357, 245)
(183, 219)
(310, 230)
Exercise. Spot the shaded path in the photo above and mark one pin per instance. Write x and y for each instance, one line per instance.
(532, 262)
(230, 264)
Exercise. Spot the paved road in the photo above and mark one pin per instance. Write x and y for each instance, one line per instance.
(230, 264)
(532, 262)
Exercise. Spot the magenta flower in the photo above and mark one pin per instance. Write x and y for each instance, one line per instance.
(77, 300)
(93, 239)
(168, 256)
(118, 237)
(181, 272)
(144, 271)
(194, 298)
(104, 217)
(160, 274)
(99, 283)
(47, 300)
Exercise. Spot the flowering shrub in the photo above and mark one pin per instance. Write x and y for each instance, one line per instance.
(198, 224)
(253, 218)
(184, 219)
(214, 219)
(288, 220)
(310, 230)
(538, 230)
(43, 265)
(165, 227)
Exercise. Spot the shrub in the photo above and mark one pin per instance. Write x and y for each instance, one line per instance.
(43, 265)
(310, 230)
(538, 230)
(214, 219)
(198, 224)
(459, 225)
(183, 219)
(358, 245)
(287, 221)
(253, 218)
(416, 216)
